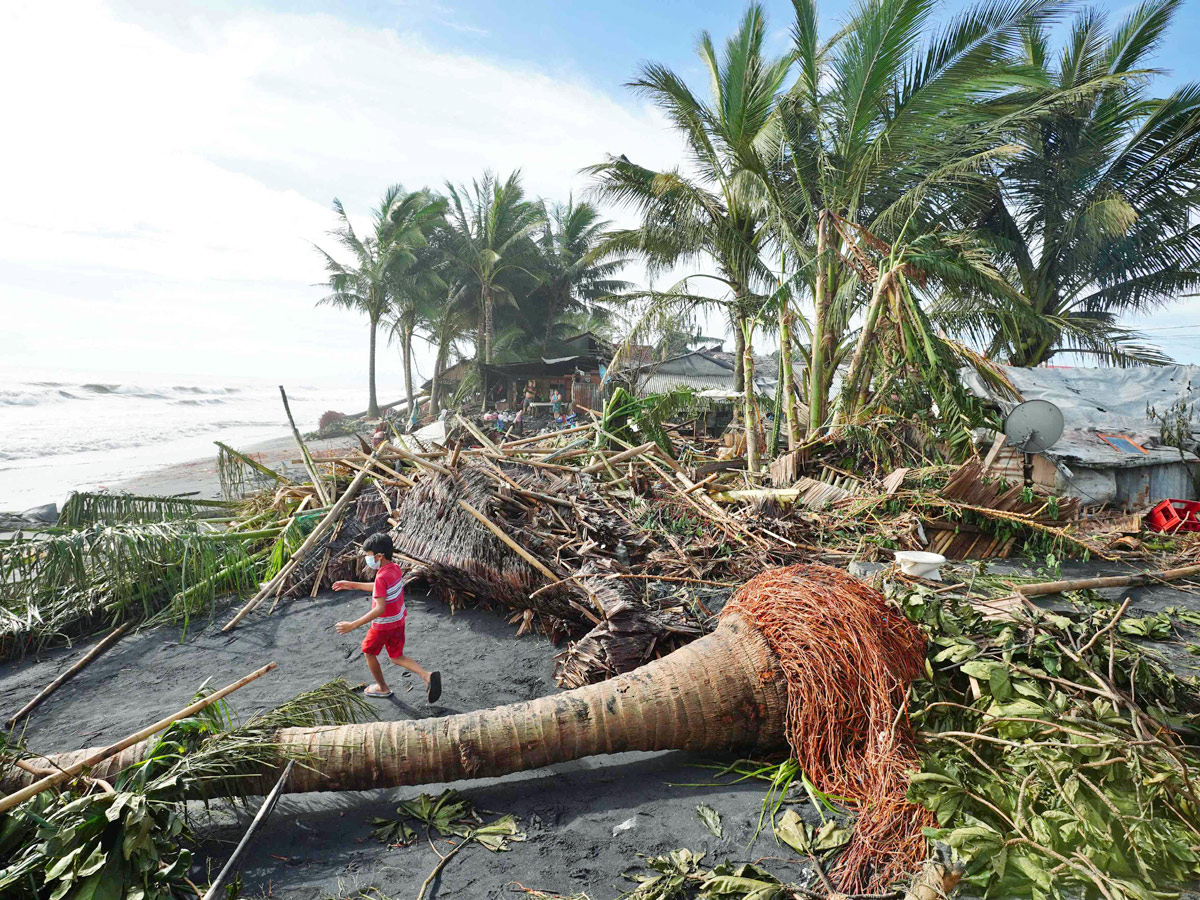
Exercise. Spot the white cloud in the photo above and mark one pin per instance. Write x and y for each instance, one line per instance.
(164, 176)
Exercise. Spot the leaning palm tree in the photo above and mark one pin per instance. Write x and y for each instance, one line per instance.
(886, 137)
(1096, 217)
(366, 283)
(491, 224)
(712, 210)
(576, 274)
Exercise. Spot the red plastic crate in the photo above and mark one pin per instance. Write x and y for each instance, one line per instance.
(1171, 516)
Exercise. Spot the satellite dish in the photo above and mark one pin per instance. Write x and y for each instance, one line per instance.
(1033, 426)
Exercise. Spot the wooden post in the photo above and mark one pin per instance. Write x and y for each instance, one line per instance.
(268, 804)
(334, 514)
(308, 463)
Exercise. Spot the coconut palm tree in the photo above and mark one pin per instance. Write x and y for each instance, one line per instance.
(366, 284)
(887, 136)
(491, 224)
(1095, 217)
(711, 210)
(575, 273)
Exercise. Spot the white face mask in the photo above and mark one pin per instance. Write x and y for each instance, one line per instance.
(372, 562)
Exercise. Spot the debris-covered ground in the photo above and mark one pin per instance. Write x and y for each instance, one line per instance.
(1030, 738)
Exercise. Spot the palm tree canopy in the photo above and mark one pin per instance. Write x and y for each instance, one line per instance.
(1094, 218)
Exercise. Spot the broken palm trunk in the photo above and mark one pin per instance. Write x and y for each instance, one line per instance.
(805, 656)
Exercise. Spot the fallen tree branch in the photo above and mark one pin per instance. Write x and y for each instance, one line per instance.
(1088, 584)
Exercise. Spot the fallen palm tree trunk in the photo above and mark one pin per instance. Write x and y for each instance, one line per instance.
(805, 656)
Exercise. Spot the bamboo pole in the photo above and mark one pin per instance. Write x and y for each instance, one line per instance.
(620, 458)
(324, 525)
(308, 463)
(70, 673)
(1085, 584)
(18, 797)
(416, 460)
(268, 804)
(479, 435)
(520, 442)
(512, 545)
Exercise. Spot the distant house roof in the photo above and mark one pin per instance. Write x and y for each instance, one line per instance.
(699, 370)
(587, 342)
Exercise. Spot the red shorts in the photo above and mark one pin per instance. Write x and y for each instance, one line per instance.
(378, 638)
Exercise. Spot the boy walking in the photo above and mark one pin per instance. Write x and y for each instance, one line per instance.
(386, 618)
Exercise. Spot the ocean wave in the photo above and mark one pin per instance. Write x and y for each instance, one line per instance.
(35, 393)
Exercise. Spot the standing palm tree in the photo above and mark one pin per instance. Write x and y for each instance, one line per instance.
(886, 137)
(1096, 216)
(366, 284)
(713, 212)
(490, 226)
(575, 273)
(416, 281)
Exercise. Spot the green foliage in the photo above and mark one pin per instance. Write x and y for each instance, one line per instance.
(84, 509)
(82, 844)
(65, 586)
(449, 814)
(638, 419)
(680, 875)
(1045, 776)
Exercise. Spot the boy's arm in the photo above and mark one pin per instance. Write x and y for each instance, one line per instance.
(368, 586)
(376, 611)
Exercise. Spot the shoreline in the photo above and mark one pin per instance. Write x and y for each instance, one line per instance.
(200, 475)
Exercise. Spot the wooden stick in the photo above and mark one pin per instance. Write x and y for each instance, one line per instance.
(1086, 584)
(324, 525)
(512, 545)
(308, 463)
(699, 484)
(520, 442)
(66, 676)
(620, 458)
(18, 797)
(479, 435)
(259, 817)
(416, 460)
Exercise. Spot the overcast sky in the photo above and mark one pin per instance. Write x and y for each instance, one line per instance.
(167, 166)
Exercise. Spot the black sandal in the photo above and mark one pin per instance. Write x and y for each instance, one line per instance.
(435, 686)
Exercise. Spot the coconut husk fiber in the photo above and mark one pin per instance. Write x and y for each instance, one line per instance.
(848, 659)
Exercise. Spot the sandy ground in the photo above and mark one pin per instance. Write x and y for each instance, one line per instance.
(319, 845)
(200, 475)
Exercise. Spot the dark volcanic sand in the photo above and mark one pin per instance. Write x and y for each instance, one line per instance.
(319, 845)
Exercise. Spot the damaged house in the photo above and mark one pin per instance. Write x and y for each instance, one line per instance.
(1130, 435)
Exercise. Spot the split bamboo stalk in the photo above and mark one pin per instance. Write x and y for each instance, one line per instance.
(520, 442)
(479, 435)
(70, 673)
(1085, 584)
(417, 460)
(620, 458)
(308, 463)
(18, 797)
(334, 515)
(268, 804)
(509, 542)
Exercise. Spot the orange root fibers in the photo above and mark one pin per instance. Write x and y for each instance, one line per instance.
(848, 659)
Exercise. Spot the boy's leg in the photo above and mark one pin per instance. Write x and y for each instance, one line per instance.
(376, 673)
(407, 662)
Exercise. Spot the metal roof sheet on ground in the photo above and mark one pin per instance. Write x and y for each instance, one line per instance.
(1104, 401)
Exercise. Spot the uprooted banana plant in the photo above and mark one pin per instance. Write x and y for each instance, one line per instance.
(128, 837)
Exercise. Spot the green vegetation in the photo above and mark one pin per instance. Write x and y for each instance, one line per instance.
(894, 196)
